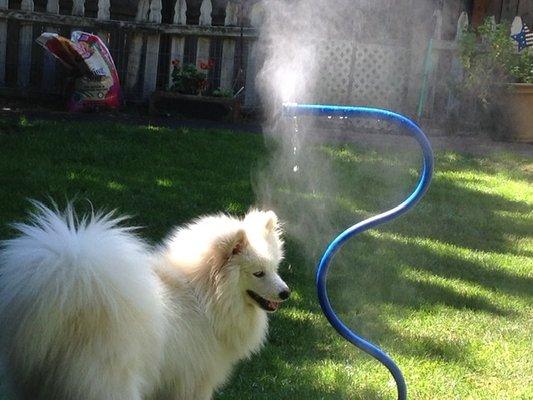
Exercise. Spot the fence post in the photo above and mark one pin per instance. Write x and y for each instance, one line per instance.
(177, 43)
(418, 46)
(456, 69)
(435, 57)
(103, 15)
(204, 43)
(3, 44)
(516, 26)
(228, 49)
(525, 7)
(256, 15)
(78, 9)
(462, 25)
(152, 51)
(49, 63)
(134, 58)
(25, 45)
(510, 8)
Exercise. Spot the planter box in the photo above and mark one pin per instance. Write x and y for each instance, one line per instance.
(515, 116)
(521, 98)
(191, 106)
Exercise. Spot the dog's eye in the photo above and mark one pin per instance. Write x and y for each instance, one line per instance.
(259, 274)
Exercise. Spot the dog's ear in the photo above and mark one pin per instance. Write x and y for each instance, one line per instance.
(232, 244)
(271, 221)
(225, 248)
(228, 246)
(237, 243)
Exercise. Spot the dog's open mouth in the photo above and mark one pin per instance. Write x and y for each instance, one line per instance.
(265, 304)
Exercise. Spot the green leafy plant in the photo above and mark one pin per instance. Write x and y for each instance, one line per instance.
(222, 93)
(489, 56)
(187, 79)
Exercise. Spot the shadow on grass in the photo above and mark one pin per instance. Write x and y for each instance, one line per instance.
(433, 246)
(466, 208)
(471, 218)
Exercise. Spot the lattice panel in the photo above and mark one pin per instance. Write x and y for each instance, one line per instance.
(380, 75)
(366, 74)
(332, 82)
(361, 74)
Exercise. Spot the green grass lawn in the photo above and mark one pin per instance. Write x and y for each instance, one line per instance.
(446, 290)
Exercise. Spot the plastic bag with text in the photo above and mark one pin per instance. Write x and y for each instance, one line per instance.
(96, 84)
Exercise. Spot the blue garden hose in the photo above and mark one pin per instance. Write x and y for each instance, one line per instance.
(294, 110)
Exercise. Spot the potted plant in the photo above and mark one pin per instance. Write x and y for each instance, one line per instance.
(500, 77)
(189, 95)
(187, 79)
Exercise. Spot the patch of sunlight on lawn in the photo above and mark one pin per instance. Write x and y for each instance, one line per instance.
(115, 186)
(72, 175)
(514, 216)
(350, 155)
(314, 195)
(163, 182)
(512, 262)
(154, 129)
(349, 378)
(350, 205)
(83, 177)
(457, 286)
(500, 184)
(347, 203)
(234, 208)
(297, 314)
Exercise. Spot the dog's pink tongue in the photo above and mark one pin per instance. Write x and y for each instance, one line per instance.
(273, 305)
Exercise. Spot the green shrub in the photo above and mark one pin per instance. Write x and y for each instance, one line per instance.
(489, 56)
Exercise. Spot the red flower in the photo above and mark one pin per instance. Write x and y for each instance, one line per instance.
(205, 66)
(202, 84)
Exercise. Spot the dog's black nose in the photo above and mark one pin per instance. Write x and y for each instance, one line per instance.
(284, 295)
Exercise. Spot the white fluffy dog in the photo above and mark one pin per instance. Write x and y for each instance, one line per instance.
(89, 312)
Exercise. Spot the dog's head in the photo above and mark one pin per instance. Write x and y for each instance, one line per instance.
(227, 256)
(255, 252)
(261, 256)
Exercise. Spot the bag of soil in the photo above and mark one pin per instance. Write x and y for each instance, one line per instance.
(96, 84)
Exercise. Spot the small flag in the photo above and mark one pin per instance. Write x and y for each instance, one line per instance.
(524, 37)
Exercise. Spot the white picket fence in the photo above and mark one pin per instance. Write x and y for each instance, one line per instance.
(135, 45)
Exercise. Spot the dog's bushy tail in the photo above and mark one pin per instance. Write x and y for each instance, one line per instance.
(80, 294)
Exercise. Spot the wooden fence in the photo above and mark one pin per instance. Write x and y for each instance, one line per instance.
(358, 69)
(142, 48)
(353, 70)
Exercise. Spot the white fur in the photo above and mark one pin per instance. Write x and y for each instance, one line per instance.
(88, 311)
